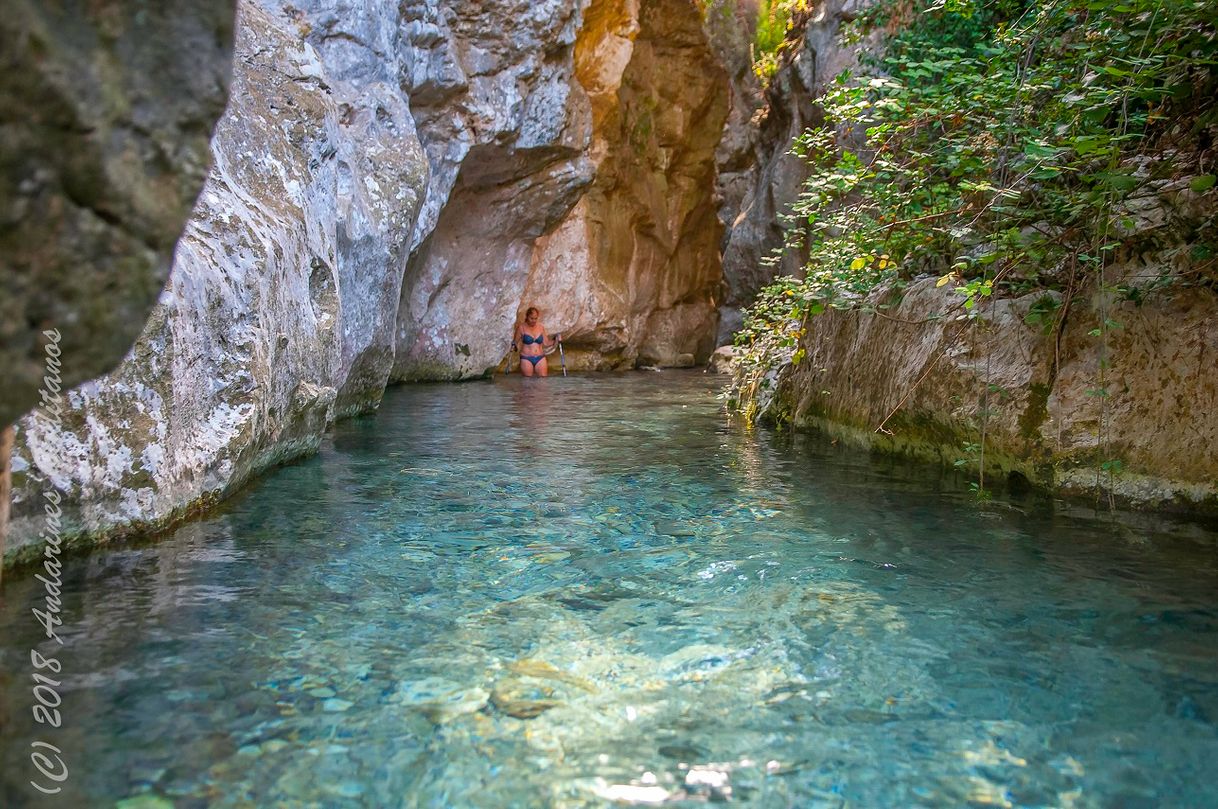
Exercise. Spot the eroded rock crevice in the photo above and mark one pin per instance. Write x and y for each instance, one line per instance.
(760, 177)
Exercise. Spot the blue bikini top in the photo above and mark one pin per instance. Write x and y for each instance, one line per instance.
(529, 339)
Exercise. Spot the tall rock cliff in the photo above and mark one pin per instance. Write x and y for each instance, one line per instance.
(762, 178)
(572, 169)
(280, 310)
(632, 274)
(506, 129)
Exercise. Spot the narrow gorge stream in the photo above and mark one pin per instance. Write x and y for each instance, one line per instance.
(573, 591)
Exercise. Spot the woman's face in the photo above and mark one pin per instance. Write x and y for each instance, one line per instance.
(531, 317)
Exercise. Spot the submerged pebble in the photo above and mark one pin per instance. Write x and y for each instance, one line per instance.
(442, 700)
(144, 802)
(522, 700)
(336, 705)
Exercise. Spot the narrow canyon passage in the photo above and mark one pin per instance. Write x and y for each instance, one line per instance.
(505, 594)
(886, 471)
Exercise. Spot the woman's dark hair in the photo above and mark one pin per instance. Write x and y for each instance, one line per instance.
(531, 310)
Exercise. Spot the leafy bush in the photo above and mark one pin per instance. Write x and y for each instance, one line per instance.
(994, 146)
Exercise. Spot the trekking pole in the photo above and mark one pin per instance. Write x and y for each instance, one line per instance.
(562, 358)
(506, 365)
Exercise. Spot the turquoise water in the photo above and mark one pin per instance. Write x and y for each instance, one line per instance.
(566, 592)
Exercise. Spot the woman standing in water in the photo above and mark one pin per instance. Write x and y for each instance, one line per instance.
(531, 341)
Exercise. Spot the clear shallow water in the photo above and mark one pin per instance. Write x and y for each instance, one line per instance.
(564, 592)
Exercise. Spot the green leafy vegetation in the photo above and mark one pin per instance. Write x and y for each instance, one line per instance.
(998, 144)
(768, 22)
(1004, 148)
(774, 21)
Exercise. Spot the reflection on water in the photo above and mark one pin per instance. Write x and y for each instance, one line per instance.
(569, 592)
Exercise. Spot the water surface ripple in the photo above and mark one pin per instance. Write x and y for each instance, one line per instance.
(570, 592)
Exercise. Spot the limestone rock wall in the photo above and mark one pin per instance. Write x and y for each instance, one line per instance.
(106, 110)
(646, 230)
(281, 307)
(575, 175)
(1046, 419)
(506, 128)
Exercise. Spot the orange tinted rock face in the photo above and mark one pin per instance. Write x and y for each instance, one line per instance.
(646, 232)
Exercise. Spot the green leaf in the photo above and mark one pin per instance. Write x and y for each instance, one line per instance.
(1203, 183)
(1117, 180)
(1039, 150)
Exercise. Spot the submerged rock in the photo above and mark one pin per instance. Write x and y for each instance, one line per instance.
(683, 751)
(144, 802)
(632, 793)
(521, 699)
(336, 705)
(545, 671)
(442, 700)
